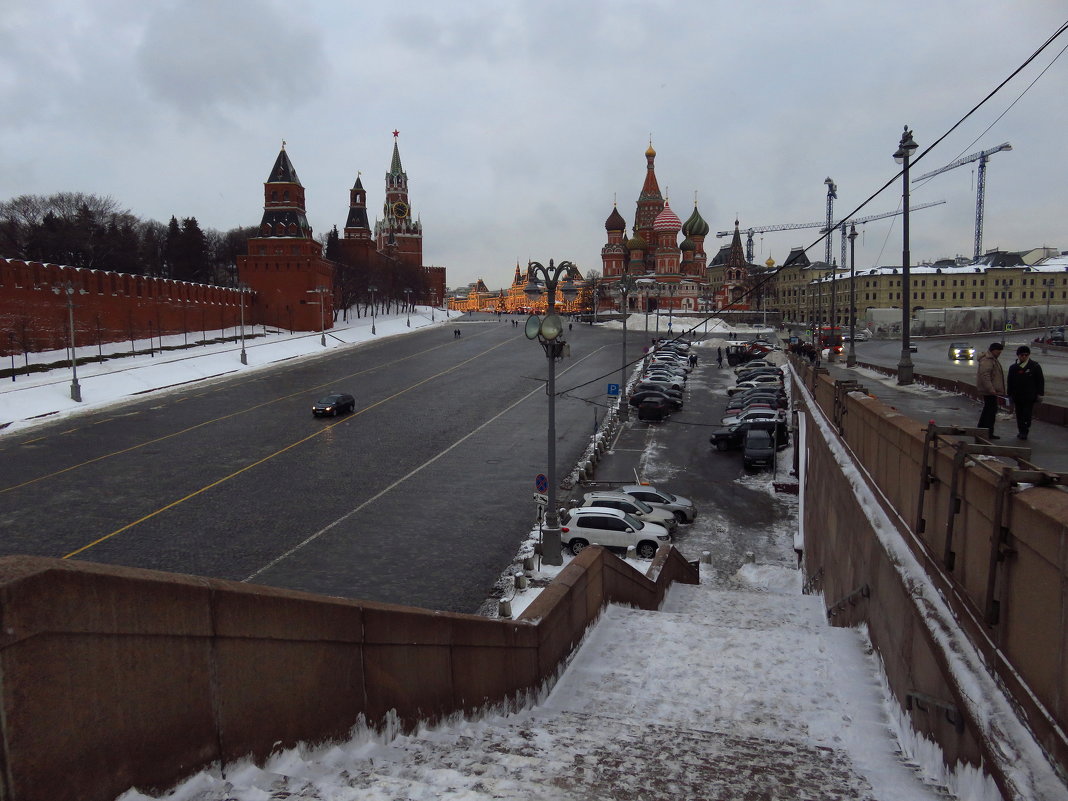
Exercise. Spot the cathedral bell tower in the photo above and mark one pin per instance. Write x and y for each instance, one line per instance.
(397, 229)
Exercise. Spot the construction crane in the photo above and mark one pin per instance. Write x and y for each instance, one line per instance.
(763, 229)
(980, 190)
(832, 195)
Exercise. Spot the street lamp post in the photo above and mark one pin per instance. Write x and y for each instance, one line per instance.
(1047, 284)
(906, 147)
(408, 307)
(152, 340)
(671, 306)
(624, 287)
(11, 339)
(321, 292)
(372, 289)
(75, 388)
(833, 313)
(851, 359)
(548, 331)
(241, 295)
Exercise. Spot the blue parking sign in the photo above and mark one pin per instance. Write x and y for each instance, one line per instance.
(613, 390)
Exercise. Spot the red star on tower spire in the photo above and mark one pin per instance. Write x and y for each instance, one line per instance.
(396, 133)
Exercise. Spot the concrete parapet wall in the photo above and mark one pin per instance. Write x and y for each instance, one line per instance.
(116, 677)
(1003, 577)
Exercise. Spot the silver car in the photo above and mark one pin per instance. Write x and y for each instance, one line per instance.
(683, 508)
(632, 506)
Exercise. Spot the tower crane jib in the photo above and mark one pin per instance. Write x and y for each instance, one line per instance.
(980, 188)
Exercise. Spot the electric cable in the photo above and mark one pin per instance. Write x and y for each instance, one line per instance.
(771, 274)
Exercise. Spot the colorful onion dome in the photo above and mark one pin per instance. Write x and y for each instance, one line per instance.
(687, 244)
(615, 221)
(695, 225)
(667, 221)
(636, 242)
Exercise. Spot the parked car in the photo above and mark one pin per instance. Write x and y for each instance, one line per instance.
(683, 508)
(333, 405)
(753, 413)
(733, 437)
(611, 528)
(776, 400)
(654, 410)
(751, 374)
(758, 449)
(667, 387)
(753, 365)
(637, 397)
(758, 381)
(674, 382)
(961, 350)
(632, 506)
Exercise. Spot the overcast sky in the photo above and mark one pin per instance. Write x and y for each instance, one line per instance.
(520, 122)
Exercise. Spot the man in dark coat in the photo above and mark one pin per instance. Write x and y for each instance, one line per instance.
(1026, 387)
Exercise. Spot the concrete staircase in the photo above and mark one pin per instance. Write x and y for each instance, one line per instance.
(722, 695)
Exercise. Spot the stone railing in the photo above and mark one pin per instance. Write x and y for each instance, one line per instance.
(115, 677)
(958, 565)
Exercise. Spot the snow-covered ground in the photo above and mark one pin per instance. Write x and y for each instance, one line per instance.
(40, 397)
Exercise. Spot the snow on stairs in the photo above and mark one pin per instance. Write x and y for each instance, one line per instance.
(722, 695)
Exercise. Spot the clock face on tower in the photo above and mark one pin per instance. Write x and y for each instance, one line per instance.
(400, 210)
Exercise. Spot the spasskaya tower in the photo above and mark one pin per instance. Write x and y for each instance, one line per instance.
(398, 232)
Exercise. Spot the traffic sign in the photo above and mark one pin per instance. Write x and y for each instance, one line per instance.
(541, 483)
(613, 390)
(541, 499)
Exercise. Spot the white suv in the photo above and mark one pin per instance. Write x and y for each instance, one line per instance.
(611, 528)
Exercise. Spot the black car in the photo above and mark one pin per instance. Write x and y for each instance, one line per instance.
(733, 437)
(657, 386)
(333, 405)
(654, 410)
(637, 398)
(758, 448)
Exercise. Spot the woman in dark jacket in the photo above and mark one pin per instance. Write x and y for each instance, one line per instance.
(1026, 386)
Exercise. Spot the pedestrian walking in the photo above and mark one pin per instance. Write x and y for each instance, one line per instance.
(693, 360)
(719, 357)
(1026, 386)
(990, 383)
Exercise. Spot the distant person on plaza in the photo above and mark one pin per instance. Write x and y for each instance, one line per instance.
(990, 383)
(719, 357)
(1026, 387)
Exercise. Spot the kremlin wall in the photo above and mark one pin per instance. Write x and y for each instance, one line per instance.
(284, 278)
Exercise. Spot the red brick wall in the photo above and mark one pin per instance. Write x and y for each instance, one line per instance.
(108, 306)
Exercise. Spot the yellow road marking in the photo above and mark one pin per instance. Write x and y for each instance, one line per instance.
(267, 458)
(199, 425)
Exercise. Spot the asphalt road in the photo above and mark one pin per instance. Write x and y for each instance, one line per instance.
(932, 358)
(420, 497)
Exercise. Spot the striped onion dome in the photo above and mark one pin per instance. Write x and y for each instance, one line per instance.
(667, 221)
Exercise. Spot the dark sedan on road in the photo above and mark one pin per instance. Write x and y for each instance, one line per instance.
(333, 405)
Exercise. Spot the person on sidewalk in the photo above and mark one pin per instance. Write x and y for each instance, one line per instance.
(1026, 387)
(990, 383)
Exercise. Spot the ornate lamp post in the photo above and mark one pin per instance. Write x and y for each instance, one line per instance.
(75, 388)
(671, 304)
(11, 339)
(372, 289)
(408, 307)
(904, 152)
(548, 330)
(851, 359)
